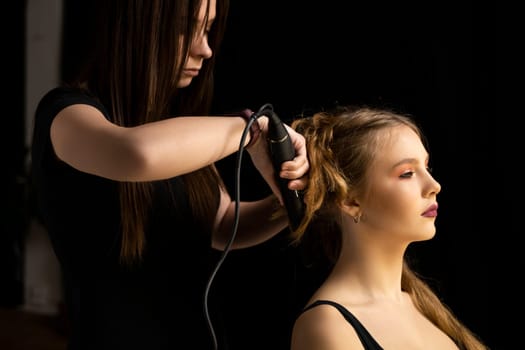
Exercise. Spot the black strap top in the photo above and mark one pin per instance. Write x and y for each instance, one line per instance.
(366, 339)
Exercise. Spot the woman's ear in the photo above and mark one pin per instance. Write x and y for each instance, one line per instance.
(351, 207)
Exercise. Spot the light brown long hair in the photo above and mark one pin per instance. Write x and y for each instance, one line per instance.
(139, 49)
(341, 144)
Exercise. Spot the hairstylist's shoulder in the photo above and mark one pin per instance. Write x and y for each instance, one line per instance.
(60, 97)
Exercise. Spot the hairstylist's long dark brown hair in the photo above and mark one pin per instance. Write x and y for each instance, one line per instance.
(138, 53)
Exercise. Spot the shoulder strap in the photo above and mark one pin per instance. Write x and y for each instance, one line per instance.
(366, 338)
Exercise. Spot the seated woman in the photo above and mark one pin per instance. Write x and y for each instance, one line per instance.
(370, 194)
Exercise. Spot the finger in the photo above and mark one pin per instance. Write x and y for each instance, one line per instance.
(294, 173)
(298, 184)
(297, 164)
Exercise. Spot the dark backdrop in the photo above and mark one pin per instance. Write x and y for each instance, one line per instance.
(13, 180)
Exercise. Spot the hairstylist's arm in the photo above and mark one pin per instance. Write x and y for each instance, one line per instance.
(83, 138)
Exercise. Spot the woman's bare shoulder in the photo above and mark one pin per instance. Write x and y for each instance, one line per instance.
(323, 327)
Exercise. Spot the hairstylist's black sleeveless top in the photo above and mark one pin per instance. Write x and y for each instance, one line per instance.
(366, 339)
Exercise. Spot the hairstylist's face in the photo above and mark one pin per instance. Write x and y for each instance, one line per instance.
(199, 49)
(401, 201)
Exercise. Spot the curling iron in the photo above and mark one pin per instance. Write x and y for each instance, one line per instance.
(281, 150)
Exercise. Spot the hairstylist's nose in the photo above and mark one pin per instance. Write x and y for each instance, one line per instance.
(201, 48)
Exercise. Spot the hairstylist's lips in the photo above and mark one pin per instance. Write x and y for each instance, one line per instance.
(431, 211)
(192, 72)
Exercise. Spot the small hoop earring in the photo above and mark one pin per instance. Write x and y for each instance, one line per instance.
(357, 218)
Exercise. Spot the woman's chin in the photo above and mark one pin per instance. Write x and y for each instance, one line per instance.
(184, 82)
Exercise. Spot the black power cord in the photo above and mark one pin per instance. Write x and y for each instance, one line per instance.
(265, 108)
(281, 149)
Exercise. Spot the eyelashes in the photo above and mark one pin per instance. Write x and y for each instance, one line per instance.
(407, 174)
(410, 173)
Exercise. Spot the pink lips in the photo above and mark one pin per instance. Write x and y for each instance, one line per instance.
(431, 211)
(191, 72)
